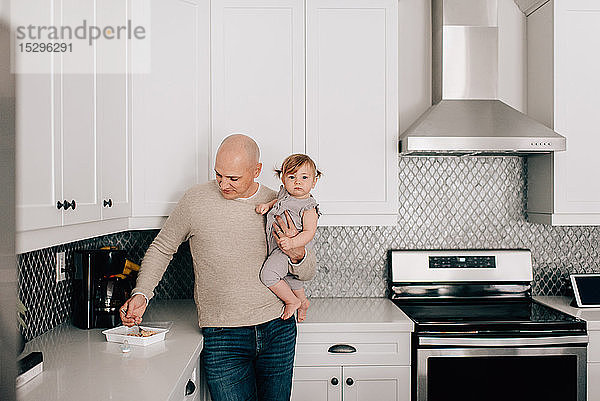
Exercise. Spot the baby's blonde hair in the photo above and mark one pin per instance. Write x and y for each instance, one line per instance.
(292, 163)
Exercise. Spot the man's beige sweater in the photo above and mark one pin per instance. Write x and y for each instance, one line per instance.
(228, 246)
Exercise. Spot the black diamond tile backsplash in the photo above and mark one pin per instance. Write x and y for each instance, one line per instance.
(444, 202)
(49, 303)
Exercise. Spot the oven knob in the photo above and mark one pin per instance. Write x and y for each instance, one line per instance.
(334, 381)
(349, 381)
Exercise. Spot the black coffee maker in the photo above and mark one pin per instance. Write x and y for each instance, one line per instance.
(100, 287)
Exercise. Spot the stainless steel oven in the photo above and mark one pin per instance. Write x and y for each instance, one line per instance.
(493, 370)
(479, 335)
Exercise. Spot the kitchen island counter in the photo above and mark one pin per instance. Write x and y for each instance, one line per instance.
(82, 365)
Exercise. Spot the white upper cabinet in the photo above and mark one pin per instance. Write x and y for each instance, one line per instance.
(125, 127)
(38, 140)
(72, 127)
(170, 104)
(348, 51)
(563, 94)
(352, 108)
(112, 122)
(77, 116)
(56, 127)
(258, 77)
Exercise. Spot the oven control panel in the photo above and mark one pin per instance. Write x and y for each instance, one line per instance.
(462, 262)
(460, 265)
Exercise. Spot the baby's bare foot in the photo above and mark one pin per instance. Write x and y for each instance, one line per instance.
(303, 309)
(289, 309)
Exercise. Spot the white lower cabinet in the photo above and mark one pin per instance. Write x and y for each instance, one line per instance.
(356, 365)
(364, 383)
(317, 383)
(190, 387)
(593, 381)
(351, 383)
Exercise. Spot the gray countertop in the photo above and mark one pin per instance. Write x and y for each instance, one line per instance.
(350, 314)
(563, 304)
(81, 365)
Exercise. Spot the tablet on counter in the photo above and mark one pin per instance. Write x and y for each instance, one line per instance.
(587, 290)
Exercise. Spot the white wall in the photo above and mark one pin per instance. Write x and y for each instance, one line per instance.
(414, 60)
(512, 55)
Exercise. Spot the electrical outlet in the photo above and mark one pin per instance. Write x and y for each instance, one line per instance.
(61, 266)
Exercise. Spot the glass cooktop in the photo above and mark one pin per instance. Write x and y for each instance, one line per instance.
(488, 316)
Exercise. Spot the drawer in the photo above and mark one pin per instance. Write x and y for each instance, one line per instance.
(594, 346)
(189, 382)
(388, 348)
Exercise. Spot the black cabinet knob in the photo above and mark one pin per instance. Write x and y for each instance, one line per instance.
(334, 381)
(108, 203)
(59, 205)
(190, 387)
(68, 204)
(349, 381)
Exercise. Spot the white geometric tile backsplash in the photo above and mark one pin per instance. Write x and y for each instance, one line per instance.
(444, 202)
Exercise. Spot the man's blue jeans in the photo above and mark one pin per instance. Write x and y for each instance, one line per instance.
(250, 363)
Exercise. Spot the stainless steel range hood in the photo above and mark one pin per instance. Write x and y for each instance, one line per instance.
(466, 117)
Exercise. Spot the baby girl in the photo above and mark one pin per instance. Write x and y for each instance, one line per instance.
(299, 175)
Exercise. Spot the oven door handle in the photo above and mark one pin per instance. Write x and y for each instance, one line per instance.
(501, 342)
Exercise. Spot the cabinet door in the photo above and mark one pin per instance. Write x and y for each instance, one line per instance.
(170, 103)
(112, 97)
(258, 77)
(577, 83)
(593, 384)
(315, 384)
(376, 383)
(38, 140)
(77, 117)
(352, 108)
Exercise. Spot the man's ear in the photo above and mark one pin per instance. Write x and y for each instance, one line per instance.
(257, 170)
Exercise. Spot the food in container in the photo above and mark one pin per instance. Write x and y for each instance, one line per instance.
(149, 335)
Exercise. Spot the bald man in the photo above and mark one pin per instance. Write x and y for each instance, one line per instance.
(248, 350)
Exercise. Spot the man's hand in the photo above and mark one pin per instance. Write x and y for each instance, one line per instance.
(286, 243)
(286, 229)
(131, 312)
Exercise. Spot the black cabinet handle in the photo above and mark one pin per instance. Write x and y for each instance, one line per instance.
(190, 387)
(341, 349)
(108, 203)
(59, 205)
(334, 381)
(68, 204)
(349, 381)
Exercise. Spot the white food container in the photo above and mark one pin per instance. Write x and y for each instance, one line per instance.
(120, 333)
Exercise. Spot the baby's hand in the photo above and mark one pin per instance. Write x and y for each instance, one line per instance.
(262, 208)
(286, 243)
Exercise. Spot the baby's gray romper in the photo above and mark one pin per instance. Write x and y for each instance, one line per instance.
(275, 267)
